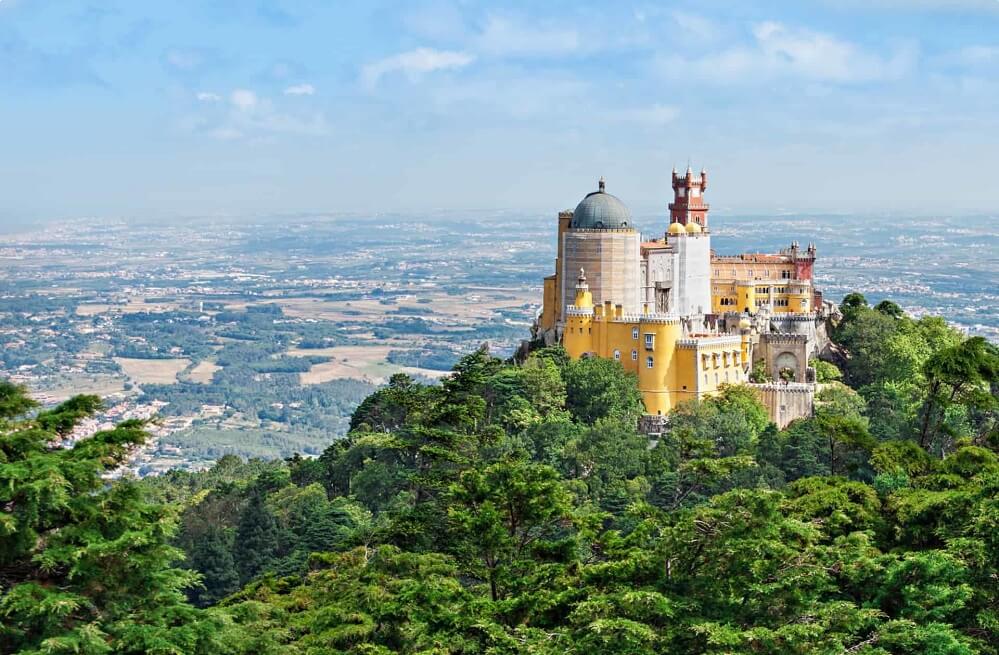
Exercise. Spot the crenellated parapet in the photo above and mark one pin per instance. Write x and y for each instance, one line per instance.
(782, 339)
(702, 342)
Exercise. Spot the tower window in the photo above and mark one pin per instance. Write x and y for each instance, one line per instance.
(634, 355)
(617, 355)
(650, 341)
(634, 333)
(649, 363)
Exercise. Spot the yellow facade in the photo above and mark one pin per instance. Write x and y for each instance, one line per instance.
(548, 319)
(671, 368)
(754, 295)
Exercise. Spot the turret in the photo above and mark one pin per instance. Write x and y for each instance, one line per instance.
(584, 298)
(688, 204)
(578, 336)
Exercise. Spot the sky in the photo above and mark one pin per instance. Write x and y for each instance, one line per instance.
(248, 107)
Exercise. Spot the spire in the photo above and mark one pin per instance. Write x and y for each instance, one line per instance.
(601, 185)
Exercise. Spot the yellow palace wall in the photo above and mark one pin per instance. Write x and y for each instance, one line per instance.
(670, 368)
(787, 297)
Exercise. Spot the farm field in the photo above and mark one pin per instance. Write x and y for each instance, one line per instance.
(203, 372)
(152, 371)
(358, 362)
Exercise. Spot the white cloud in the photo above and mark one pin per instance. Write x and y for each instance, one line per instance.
(696, 26)
(225, 133)
(654, 116)
(511, 94)
(976, 55)
(415, 63)
(184, 59)
(506, 37)
(247, 115)
(779, 50)
(300, 90)
(932, 5)
(243, 99)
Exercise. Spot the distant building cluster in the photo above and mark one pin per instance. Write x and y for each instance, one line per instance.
(683, 318)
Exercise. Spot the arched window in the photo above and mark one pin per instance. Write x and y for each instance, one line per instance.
(617, 355)
(649, 363)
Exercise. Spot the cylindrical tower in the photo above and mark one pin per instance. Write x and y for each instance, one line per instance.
(657, 349)
(602, 240)
(578, 335)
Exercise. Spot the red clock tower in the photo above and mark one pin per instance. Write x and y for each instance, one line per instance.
(688, 204)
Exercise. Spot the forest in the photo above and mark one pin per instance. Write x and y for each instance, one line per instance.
(514, 508)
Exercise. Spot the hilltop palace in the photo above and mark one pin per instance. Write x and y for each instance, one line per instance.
(683, 318)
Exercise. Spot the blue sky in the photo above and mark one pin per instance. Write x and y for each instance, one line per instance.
(254, 106)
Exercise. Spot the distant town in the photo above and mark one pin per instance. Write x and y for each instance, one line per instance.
(259, 337)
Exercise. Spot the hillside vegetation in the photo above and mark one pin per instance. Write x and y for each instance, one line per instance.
(514, 509)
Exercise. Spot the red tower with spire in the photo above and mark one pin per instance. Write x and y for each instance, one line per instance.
(688, 204)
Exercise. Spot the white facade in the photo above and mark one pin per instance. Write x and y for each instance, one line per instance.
(677, 278)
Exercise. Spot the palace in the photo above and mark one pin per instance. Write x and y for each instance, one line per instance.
(684, 319)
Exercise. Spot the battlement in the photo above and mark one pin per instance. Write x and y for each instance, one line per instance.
(794, 316)
(784, 339)
(690, 180)
(603, 230)
(572, 310)
(796, 252)
(692, 343)
(695, 203)
(784, 387)
(655, 319)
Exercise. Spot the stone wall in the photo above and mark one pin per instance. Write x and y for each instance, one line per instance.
(611, 261)
(786, 402)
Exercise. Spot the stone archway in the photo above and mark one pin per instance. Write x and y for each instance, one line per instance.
(786, 367)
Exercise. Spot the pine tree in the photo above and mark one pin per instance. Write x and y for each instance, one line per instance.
(257, 538)
(212, 557)
(86, 565)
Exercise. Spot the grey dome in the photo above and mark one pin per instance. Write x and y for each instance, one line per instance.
(600, 210)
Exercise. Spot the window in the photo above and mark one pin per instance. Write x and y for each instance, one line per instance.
(649, 362)
(650, 341)
(634, 355)
(617, 355)
(634, 333)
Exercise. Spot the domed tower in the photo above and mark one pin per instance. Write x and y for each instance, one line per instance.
(601, 240)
